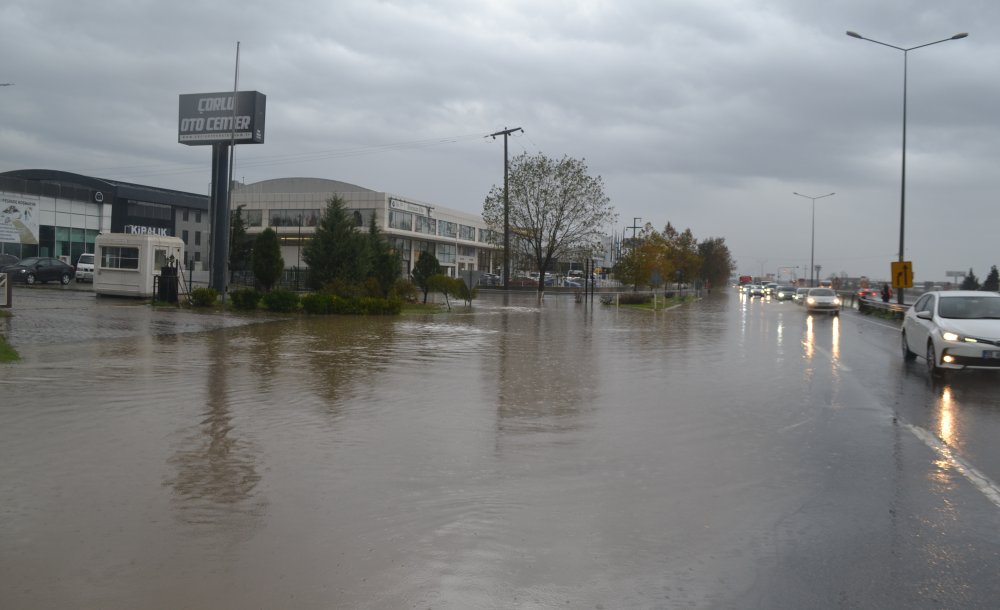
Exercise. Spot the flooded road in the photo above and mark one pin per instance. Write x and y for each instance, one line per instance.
(518, 455)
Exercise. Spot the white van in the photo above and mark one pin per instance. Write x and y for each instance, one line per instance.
(85, 268)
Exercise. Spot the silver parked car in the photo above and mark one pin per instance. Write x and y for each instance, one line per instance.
(958, 329)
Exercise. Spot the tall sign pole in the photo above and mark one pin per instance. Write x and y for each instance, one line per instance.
(506, 206)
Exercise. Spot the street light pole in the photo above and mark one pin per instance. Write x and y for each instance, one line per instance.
(812, 248)
(902, 188)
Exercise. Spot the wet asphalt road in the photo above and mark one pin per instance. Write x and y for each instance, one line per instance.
(723, 454)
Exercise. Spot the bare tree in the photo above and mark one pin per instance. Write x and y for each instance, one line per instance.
(556, 207)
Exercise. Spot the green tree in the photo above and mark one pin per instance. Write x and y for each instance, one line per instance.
(971, 282)
(386, 264)
(555, 208)
(267, 261)
(646, 262)
(427, 267)
(716, 261)
(240, 244)
(992, 281)
(683, 253)
(337, 254)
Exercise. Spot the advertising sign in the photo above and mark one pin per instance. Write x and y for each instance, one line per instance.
(214, 118)
(18, 219)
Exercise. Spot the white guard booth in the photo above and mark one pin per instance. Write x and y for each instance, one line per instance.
(125, 264)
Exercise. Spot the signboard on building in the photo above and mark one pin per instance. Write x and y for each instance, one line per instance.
(416, 208)
(18, 219)
(219, 118)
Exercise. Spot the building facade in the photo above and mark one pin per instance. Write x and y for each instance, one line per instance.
(60, 214)
(293, 207)
(65, 212)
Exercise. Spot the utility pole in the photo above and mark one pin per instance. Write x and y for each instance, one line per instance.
(635, 225)
(506, 206)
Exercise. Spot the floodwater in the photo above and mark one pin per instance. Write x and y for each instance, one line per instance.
(518, 455)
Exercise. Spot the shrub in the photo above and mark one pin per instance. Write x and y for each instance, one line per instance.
(281, 300)
(405, 290)
(318, 304)
(204, 297)
(245, 298)
(634, 298)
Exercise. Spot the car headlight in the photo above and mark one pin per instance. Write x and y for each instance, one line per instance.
(947, 335)
(810, 300)
(836, 300)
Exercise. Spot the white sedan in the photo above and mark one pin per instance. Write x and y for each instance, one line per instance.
(957, 329)
(824, 300)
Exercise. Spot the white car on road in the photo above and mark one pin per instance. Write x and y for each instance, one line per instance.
(957, 329)
(822, 300)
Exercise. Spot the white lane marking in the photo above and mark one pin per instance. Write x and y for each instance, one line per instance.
(834, 361)
(978, 479)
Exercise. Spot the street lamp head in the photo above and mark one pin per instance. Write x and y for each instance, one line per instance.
(962, 35)
(854, 34)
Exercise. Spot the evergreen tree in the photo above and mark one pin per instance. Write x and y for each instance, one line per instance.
(992, 281)
(970, 282)
(427, 267)
(267, 261)
(337, 254)
(240, 244)
(386, 265)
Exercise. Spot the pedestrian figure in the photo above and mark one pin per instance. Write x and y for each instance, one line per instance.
(886, 292)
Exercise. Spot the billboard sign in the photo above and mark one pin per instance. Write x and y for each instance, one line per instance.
(214, 118)
(18, 219)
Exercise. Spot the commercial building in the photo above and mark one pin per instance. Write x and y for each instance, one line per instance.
(60, 214)
(293, 207)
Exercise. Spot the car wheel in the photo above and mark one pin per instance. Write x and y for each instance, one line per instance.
(30, 278)
(932, 364)
(908, 356)
(64, 279)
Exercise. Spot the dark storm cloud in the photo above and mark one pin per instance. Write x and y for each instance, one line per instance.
(705, 114)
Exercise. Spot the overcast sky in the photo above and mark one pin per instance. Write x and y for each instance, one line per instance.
(708, 114)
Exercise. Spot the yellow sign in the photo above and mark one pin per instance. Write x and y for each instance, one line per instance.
(902, 274)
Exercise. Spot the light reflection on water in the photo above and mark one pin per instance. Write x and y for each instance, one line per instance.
(378, 462)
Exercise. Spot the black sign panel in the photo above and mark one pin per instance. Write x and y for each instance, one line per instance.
(214, 118)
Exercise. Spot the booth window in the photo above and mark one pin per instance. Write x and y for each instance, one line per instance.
(118, 257)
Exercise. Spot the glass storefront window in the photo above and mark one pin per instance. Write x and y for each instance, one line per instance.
(425, 225)
(400, 220)
(446, 253)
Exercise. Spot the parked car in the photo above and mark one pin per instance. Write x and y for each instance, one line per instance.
(573, 282)
(489, 280)
(7, 259)
(957, 329)
(784, 293)
(823, 300)
(522, 282)
(40, 269)
(85, 268)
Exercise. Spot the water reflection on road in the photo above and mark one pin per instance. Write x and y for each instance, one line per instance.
(519, 454)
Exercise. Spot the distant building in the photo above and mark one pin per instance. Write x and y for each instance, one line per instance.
(293, 207)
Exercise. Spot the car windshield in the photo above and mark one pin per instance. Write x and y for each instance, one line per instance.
(969, 308)
(821, 292)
